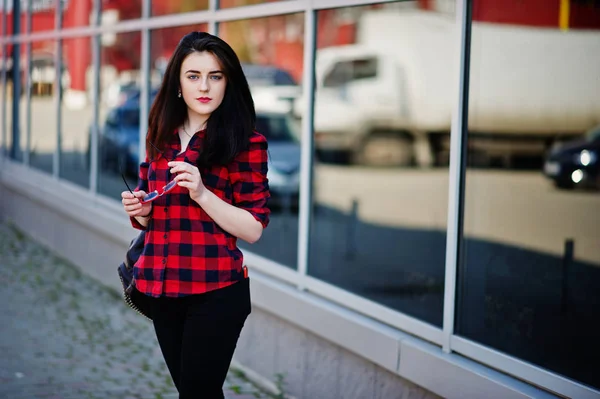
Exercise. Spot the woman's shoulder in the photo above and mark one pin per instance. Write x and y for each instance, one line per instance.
(257, 137)
(255, 152)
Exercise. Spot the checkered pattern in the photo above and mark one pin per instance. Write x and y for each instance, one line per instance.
(185, 251)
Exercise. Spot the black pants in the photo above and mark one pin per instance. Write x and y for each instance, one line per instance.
(198, 334)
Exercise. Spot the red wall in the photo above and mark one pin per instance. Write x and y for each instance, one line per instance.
(583, 14)
(520, 12)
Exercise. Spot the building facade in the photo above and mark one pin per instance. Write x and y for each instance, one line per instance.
(434, 164)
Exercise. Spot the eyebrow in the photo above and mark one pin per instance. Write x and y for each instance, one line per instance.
(197, 72)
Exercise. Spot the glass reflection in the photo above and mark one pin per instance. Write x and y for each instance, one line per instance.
(114, 11)
(43, 108)
(76, 13)
(528, 284)
(4, 93)
(239, 3)
(271, 52)
(178, 6)
(77, 108)
(119, 124)
(162, 45)
(380, 208)
(8, 98)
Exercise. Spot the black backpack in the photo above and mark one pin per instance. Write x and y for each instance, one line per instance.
(135, 299)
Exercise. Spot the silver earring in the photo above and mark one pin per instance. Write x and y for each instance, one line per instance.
(179, 94)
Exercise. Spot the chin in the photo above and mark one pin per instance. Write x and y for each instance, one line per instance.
(203, 109)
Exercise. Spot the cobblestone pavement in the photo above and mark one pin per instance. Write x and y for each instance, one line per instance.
(65, 336)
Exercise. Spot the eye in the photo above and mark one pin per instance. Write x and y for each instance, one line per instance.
(192, 77)
(216, 77)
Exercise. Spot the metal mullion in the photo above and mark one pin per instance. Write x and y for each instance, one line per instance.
(213, 27)
(523, 370)
(262, 10)
(4, 60)
(326, 4)
(307, 146)
(93, 145)
(144, 82)
(374, 310)
(270, 267)
(58, 92)
(456, 187)
(55, 34)
(15, 129)
(27, 88)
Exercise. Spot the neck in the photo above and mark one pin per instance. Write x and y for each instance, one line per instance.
(194, 123)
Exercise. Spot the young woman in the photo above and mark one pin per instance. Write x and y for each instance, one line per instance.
(206, 170)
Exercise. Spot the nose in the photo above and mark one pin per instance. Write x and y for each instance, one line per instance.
(203, 86)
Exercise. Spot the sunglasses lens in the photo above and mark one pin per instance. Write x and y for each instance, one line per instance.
(170, 186)
(151, 196)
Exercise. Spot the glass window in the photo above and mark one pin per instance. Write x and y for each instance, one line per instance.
(178, 6)
(114, 11)
(529, 278)
(20, 96)
(11, 151)
(77, 13)
(271, 52)
(347, 72)
(382, 106)
(77, 109)
(9, 4)
(43, 108)
(119, 129)
(4, 93)
(239, 3)
(43, 16)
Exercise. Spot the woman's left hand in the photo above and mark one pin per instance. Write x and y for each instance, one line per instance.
(188, 176)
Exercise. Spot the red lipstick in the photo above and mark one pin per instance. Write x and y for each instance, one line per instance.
(204, 100)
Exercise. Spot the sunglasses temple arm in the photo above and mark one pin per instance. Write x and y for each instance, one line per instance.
(125, 181)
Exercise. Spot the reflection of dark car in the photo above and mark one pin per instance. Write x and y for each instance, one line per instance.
(119, 139)
(576, 163)
(284, 155)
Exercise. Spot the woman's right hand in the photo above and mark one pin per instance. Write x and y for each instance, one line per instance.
(133, 206)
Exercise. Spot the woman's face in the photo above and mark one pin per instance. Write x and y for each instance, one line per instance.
(202, 83)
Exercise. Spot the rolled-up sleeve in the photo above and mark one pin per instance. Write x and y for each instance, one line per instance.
(141, 185)
(248, 176)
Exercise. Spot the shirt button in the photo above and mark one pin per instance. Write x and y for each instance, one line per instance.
(166, 209)
(164, 261)
(165, 236)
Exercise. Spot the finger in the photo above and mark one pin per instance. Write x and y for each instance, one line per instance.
(179, 169)
(132, 208)
(132, 201)
(184, 176)
(184, 167)
(126, 194)
(186, 184)
(139, 194)
(135, 213)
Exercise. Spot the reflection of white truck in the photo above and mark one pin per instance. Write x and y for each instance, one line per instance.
(388, 100)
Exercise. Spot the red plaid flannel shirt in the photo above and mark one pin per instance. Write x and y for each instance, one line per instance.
(185, 251)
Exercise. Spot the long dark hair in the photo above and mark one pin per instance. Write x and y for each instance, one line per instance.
(229, 127)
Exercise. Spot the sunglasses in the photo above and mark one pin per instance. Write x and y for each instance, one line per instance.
(156, 193)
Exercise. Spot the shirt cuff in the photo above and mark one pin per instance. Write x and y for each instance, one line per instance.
(136, 225)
